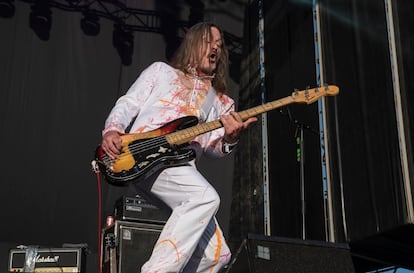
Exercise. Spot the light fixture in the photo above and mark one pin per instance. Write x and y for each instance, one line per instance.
(90, 24)
(41, 19)
(6, 8)
(123, 41)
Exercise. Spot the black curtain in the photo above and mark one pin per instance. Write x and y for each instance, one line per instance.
(404, 14)
(366, 156)
(55, 96)
(366, 173)
(289, 62)
(290, 65)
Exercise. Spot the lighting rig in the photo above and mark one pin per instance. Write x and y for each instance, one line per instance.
(126, 21)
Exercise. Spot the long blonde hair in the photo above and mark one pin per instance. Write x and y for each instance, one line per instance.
(188, 55)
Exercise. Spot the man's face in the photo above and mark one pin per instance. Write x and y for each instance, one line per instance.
(210, 53)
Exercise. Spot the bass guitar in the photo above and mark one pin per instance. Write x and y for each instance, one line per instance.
(143, 154)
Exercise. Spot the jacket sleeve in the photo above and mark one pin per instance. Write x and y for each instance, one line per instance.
(129, 105)
(212, 142)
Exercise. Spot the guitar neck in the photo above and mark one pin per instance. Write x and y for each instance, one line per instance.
(265, 108)
(186, 135)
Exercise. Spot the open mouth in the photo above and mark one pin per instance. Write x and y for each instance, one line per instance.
(212, 57)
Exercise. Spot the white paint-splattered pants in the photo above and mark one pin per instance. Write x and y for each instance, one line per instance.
(191, 240)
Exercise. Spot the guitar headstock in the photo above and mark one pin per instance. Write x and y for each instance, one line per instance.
(311, 95)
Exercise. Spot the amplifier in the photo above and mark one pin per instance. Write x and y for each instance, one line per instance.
(49, 260)
(126, 246)
(137, 209)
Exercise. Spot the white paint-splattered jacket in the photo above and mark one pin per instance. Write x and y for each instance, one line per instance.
(162, 94)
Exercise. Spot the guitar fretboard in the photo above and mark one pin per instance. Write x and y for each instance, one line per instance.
(186, 135)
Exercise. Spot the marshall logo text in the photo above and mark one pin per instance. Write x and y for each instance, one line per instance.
(47, 259)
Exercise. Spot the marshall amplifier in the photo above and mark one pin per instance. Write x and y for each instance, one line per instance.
(49, 260)
(137, 209)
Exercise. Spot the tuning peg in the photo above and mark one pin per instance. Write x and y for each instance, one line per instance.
(307, 91)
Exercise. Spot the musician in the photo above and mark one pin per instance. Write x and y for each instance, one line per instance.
(191, 240)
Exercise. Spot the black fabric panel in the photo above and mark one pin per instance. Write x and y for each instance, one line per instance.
(366, 149)
(290, 64)
(54, 97)
(404, 17)
(50, 130)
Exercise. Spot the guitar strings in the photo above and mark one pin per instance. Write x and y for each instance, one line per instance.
(148, 144)
(140, 147)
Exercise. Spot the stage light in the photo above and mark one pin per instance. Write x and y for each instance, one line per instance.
(6, 8)
(123, 41)
(41, 19)
(90, 24)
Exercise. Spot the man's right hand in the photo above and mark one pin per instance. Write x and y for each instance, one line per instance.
(112, 144)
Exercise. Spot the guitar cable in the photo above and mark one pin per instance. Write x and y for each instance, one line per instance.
(95, 169)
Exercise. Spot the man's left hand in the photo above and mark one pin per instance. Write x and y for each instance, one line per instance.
(233, 125)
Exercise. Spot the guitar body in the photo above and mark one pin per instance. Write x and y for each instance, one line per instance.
(143, 154)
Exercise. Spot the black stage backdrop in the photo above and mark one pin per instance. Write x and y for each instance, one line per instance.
(366, 151)
(289, 63)
(368, 192)
(55, 96)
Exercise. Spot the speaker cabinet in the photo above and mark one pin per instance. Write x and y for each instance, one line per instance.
(126, 246)
(266, 254)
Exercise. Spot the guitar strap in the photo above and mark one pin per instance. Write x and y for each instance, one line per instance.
(207, 104)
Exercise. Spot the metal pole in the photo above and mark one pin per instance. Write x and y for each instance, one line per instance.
(266, 205)
(302, 182)
(323, 133)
